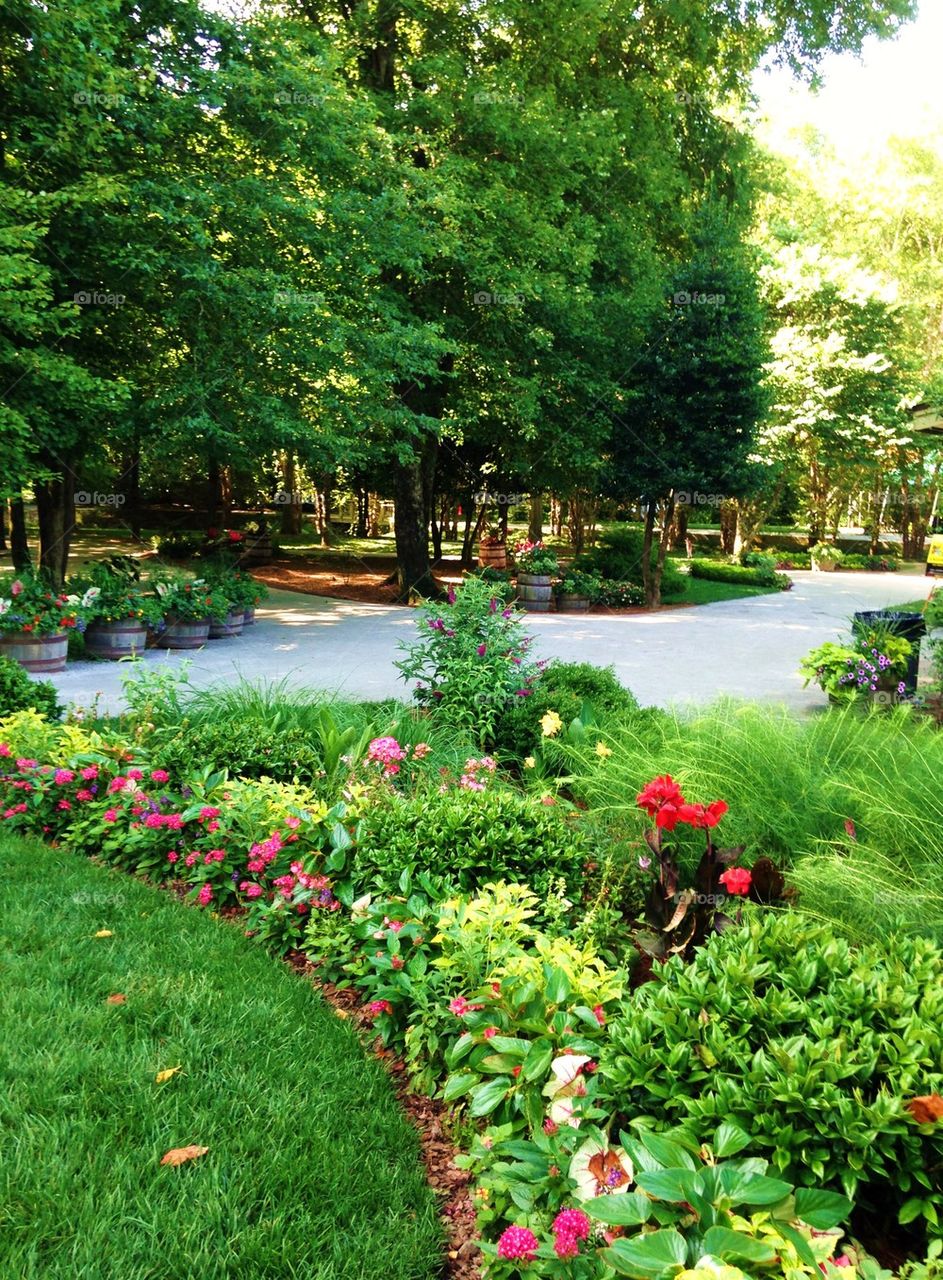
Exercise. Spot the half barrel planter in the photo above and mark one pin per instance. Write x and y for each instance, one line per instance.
(39, 655)
(534, 592)
(226, 628)
(571, 603)
(248, 618)
(494, 556)
(184, 635)
(116, 640)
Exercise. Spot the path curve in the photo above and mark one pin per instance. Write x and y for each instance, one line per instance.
(746, 648)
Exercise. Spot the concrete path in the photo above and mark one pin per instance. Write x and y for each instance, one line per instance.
(747, 648)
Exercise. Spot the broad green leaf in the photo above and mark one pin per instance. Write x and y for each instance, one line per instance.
(455, 1086)
(489, 1096)
(650, 1257)
(729, 1139)
(628, 1210)
(734, 1246)
(821, 1209)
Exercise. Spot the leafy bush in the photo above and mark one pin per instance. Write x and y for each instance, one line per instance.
(933, 614)
(535, 558)
(619, 559)
(815, 1046)
(471, 838)
(826, 553)
(470, 659)
(18, 692)
(881, 564)
(718, 571)
(249, 750)
(620, 595)
(179, 546)
(563, 687)
(763, 560)
(576, 583)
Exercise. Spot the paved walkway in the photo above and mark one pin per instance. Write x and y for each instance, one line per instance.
(747, 648)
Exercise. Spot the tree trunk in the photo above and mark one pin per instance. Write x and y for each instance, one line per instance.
(19, 543)
(363, 513)
(435, 528)
(55, 508)
(681, 527)
(375, 516)
(3, 524)
(413, 570)
(290, 496)
(535, 518)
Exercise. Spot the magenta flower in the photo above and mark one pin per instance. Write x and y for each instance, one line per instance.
(159, 775)
(110, 815)
(482, 650)
(205, 896)
(517, 1244)
(62, 776)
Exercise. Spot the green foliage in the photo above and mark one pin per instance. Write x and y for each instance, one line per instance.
(759, 575)
(815, 1045)
(567, 688)
(618, 558)
(470, 659)
(251, 749)
(848, 803)
(576, 583)
(18, 692)
(29, 602)
(471, 838)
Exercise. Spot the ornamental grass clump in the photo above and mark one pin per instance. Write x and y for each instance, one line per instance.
(470, 660)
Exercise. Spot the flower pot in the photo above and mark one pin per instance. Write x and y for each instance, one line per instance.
(226, 628)
(248, 618)
(256, 548)
(824, 566)
(534, 592)
(494, 556)
(184, 635)
(115, 639)
(885, 698)
(569, 602)
(40, 655)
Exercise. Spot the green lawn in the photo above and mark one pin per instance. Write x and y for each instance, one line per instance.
(312, 1170)
(703, 591)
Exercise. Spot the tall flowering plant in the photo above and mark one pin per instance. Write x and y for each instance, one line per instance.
(28, 604)
(534, 557)
(676, 919)
(470, 660)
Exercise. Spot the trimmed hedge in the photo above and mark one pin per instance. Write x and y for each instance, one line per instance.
(716, 571)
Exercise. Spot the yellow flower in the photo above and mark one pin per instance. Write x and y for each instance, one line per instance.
(550, 724)
(602, 750)
(530, 763)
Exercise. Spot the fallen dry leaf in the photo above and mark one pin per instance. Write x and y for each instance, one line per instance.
(927, 1109)
(341, 1013)
(104, 933)
(117, 998)
(180, 1155)
(166, 1074)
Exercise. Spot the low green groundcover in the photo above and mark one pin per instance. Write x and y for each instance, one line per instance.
(311, 1170)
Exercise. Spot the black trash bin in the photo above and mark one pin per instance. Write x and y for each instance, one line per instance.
(910, 626)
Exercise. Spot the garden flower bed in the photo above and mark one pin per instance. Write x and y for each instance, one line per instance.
(657, 1063)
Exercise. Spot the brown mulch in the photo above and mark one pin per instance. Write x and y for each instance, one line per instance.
(450, 1184)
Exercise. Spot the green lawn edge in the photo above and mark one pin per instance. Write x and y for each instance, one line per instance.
(312, 1171)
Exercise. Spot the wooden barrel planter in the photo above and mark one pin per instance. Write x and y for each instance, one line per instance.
(226, 628)
(534, 592)
(115, 639)
(184, 635)
(256, 549)
(493, 557)
(39, 655)
(248, 618)
(567, 603)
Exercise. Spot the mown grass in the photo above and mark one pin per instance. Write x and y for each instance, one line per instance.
(312, 1169)
(703, 591)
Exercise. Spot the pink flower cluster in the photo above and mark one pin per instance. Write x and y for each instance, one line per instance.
(376, 1007)
(570, 1226)
(517, 1244)
(387, 753)
(476, 774)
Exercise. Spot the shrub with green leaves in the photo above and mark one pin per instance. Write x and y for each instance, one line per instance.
(472, 838)
(619, 559)
(563, 687)
(20, 693)
(743, 575)
(470, 660)
(246, 750)
(812, 1045)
